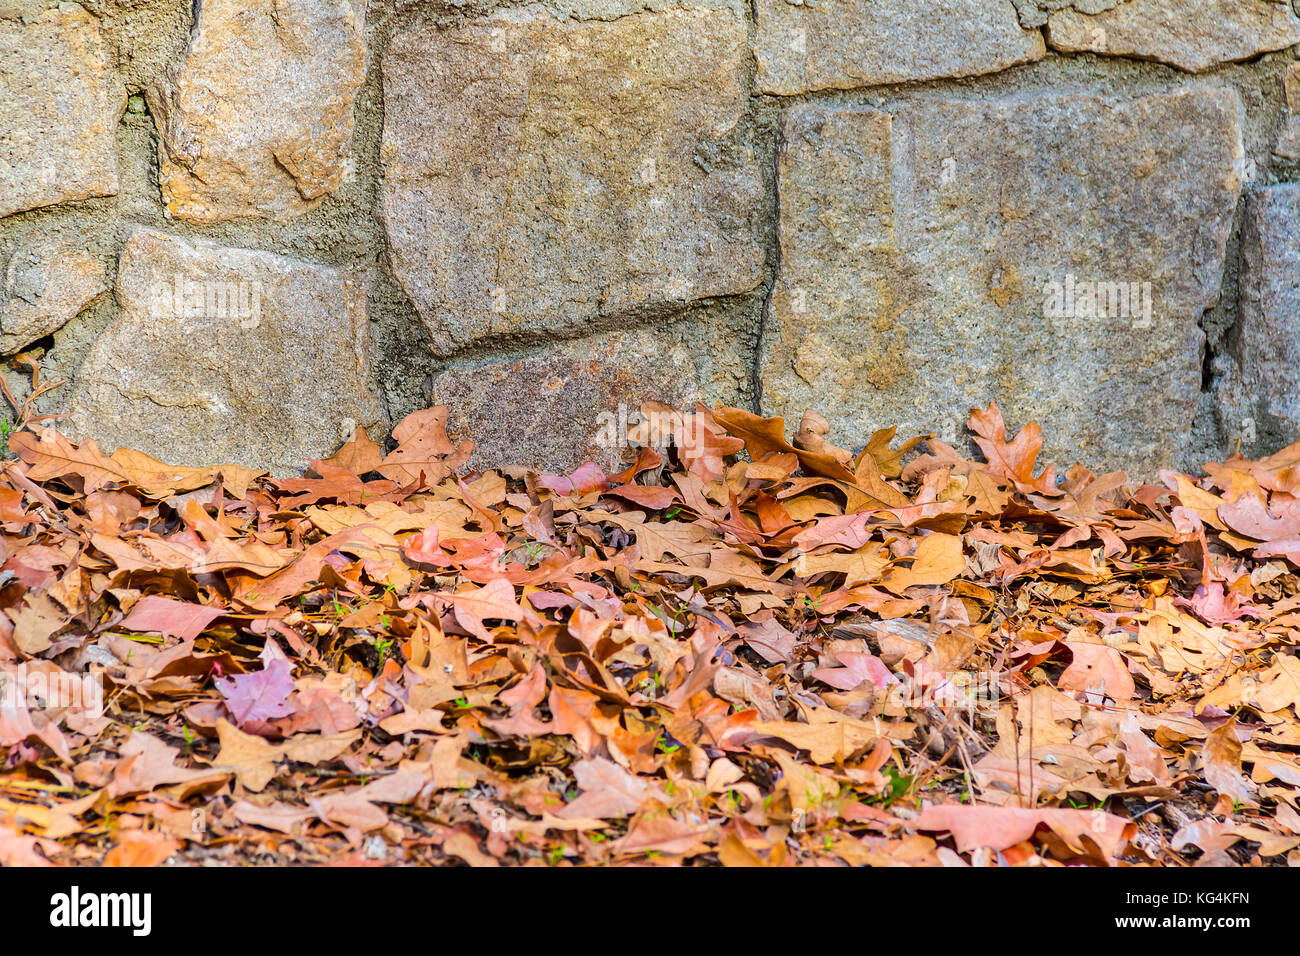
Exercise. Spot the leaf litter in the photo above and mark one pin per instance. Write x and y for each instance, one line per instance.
(746, 649)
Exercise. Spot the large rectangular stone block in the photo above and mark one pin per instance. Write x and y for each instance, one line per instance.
(224, 354)
(1193, 35)
(59, 106)
(256, 120)
(540, 173)
(1053, 252)
(840, 44)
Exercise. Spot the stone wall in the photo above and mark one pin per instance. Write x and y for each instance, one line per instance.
(239, 229)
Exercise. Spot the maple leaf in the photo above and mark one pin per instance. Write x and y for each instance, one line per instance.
(424, 450)
(938, 559)
(1215, 606)
(494, 601)
(1013, 460)
(703, 446)
(253, 760)
(765, 436)
(261, 695)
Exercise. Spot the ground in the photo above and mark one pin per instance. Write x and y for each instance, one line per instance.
(741, 650)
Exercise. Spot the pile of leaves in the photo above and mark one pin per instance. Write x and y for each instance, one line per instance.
(743, 649)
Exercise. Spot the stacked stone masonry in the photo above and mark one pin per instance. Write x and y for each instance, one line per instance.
(240, 229)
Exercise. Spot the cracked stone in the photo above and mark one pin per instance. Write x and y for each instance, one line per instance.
(224, 354)
(1288, 140)
(540, 173)
(1266, 339)
(47, 281)
(1034, 13)
(257, 119)
(1054, 252)
(842, 44)
(59, 106)
(1193, 35)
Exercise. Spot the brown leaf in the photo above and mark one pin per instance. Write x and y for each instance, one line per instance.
(141, 848)
(359, 454)
(423, 449)
(169, 618)
(1001, 828)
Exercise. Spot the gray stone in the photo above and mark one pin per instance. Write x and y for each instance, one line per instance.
(541, 173)
(1193, 35)
(841, 44)
(226, 354)
(566, 405)
(1288, 139)
(1034, 13)
(257, 120)
(1266, 339)
(47, 281)
(918, 249)
(59, 106)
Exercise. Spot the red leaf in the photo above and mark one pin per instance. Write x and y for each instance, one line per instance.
(169, 618)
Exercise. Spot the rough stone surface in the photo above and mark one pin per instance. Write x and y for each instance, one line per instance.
(556, 409)
(47, 281)
(1192, 35)
(1288, 140)
(1266, 339)
(841, 44)
(226, 354)
(257, 119)
(1034, 13)
(539, 173)
(917, 248)
(59, 106)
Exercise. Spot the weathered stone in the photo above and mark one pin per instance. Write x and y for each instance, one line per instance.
(566, 405)
(1192, 35)
(58, 109)
(1034, 13)
(840, 44)
(227, 355)
(1288, 140)
(257, 119)
(47, 281)
(1266, 339)
(918, 248)
(539, 173)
